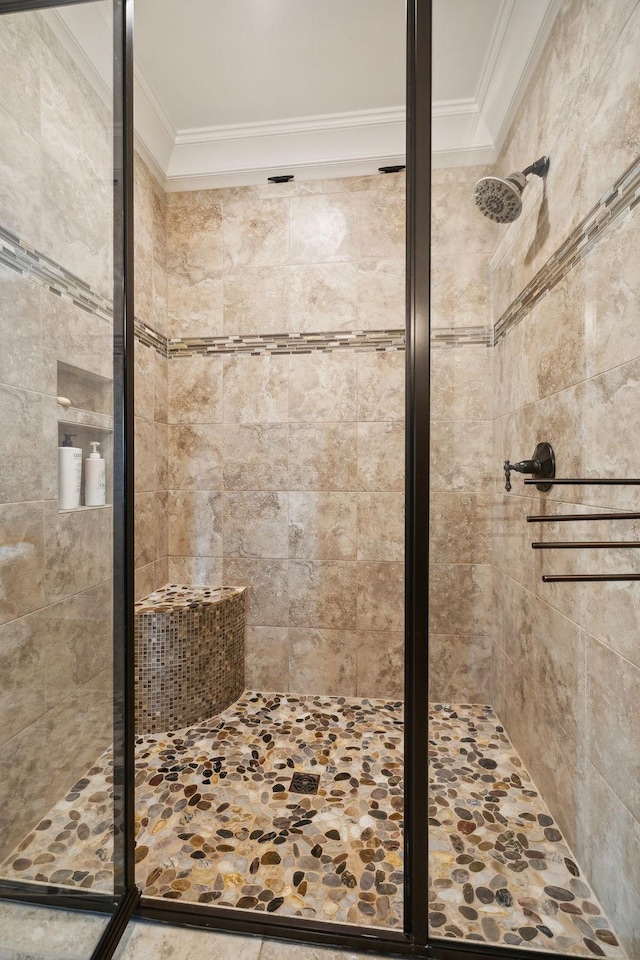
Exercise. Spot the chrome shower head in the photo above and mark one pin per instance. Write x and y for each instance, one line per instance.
(500, 198)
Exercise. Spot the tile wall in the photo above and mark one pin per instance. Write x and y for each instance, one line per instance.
(286, 469)
(567, 667)
(55, 568)
(151, 384)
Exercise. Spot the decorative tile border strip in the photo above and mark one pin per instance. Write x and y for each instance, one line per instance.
(150, 337)
(462, 336)
(287, 343)
(616, 203)
(25, 259)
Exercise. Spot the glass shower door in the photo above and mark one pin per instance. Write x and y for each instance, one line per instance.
(62, 591)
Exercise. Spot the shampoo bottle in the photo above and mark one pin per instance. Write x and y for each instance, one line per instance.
(69, 474)
(95, 488)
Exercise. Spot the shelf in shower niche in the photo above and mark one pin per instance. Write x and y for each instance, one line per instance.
(83, 509)
(606, 482)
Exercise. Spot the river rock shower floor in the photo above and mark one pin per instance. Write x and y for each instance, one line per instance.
(218, 823)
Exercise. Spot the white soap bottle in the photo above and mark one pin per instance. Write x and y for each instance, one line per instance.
(95, 488)
(69, 474)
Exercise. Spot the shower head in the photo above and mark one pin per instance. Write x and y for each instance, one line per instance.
(500, 198)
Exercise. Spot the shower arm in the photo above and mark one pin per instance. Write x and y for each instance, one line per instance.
(540, 168)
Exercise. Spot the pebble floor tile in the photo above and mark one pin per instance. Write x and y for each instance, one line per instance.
(218, 823)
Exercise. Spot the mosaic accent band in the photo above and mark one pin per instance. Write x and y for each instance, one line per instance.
(616, 203)
(189, 644)
(23, 258)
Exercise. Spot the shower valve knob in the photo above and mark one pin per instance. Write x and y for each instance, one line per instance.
(542, 465)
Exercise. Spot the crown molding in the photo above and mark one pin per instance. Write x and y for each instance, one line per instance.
(465, 131)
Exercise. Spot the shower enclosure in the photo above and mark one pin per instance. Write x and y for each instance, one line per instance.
(348, 658)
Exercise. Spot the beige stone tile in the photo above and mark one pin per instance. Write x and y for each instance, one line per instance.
(145, 530)
(145, 582)
(323, 228)
(612, 417)
(160, 387)
(456, 224)
(255, 389)
(256, 456)
(271, 950)
(21, 306)
(607, 838)
(161, 440)
(162, 523)
(462, 384)
(159, 218)
(267, 659)
(22, 674)
(194, 238)
(323, 297)
(256, 301)
(460, 599)
(268, 589)
(201, 571)
(380, 659)
(322, 387)
(519, 351)
(149, 941)
(195, 390)
(77, 338)
(559, 335)
(255, 525)
(21, 184)
(21, 55)
(612, 292)
(195, 456)
(145, 462)
(194, 309)
(381, 385)
(68, 936)
(461, 527)
(22, 559)
(78, 550)
(613, 720)
(195, 523)
(71, 748)
(459, 290)
(612, 119)
(389, 182)
(22, 463)
(381, 295)
(381, 456)
(381, 225)
(460, 669)
(462, 455)
(144, 285)
(256, 233)
(322, 662)
(322, 594)
(160, 298)
(144, 380)
(322, 456)
(143, 203)
(75, 125)
(380, 596)
(380, 526)
(322, 526)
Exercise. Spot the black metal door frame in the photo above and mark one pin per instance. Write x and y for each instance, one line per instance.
(125, 897)
(126, 902)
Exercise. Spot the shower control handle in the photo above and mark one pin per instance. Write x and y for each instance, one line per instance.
(542, 465)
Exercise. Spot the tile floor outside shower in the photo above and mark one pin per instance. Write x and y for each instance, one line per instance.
(218, 822)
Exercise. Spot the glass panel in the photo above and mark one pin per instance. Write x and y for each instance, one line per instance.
(56, 513)
(534, 681)
(281, 469)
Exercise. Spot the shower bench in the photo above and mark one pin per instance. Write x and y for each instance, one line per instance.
(189, 648)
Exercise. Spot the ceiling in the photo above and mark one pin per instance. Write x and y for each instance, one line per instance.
(232, 91)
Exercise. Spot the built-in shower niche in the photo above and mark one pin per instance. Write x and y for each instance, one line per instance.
(88, 417)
